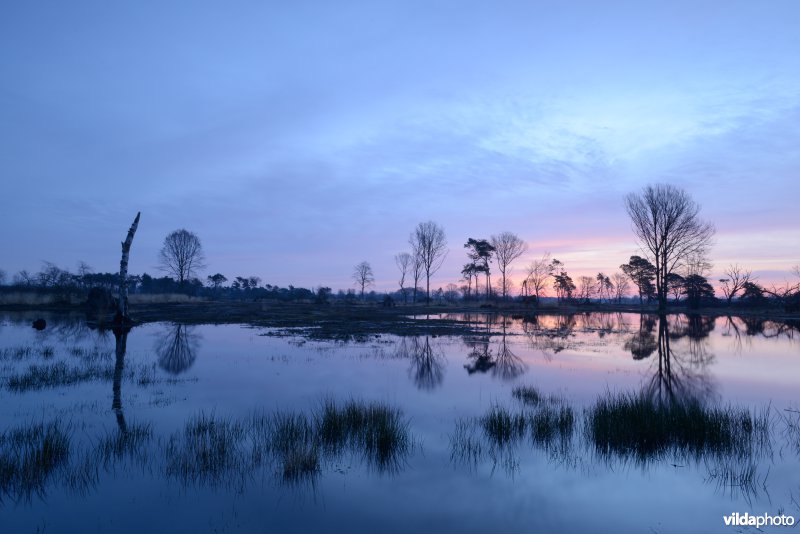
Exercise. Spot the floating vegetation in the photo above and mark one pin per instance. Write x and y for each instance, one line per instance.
(30, 457)
(641, 428)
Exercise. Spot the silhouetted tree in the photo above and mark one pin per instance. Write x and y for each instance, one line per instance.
(734, 281)
(507, 248)
(122, 301)
(429, 244)
(216, 280)
(538, 272)
(621, 286)
(675, 285)
(586, 288)
(605, 287)
(2, 277)
(469, 272)
(563, 285)
(480, 252)
(753, 294)
(362, 274)
(403, 262)
(697, 290)
(641, 272)
(666, 221)
(182, 255)
(417, 269)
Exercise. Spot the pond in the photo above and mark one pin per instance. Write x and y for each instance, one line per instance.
(569, 423)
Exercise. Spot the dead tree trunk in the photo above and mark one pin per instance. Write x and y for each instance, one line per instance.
(122, 305)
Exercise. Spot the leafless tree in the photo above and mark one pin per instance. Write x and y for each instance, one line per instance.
(404, 263)
(182, 254)
(24, 278)
(2, 277)
(416, 273)
(362, 274)
(507, 248)
(621, 286)
(586, 288)
(539, 271)
(667, 224)
(122, 301)
(734, 281)
(429, 245)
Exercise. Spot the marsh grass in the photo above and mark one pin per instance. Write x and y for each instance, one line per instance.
(527, 395)
(544, 423)
(95, 366)
(643, 429)
(374, 430)
(209, 450)
(91, 356)
(132, 443)
(57, 374)
(26, 352)
(30, 457)
(297, 446)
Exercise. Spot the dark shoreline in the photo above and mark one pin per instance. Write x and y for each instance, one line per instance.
(353, 321)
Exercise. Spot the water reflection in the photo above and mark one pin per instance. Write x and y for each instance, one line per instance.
(121, 343)
(676, 375)
(501, 361)
(176, 348)
(427, 361)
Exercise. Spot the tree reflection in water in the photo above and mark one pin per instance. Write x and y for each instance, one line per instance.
(427, 364)
(427, 361)
(176, 348)
(676, 375)
(503, 363)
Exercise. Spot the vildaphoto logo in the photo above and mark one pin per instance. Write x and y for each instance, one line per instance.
(743, 520)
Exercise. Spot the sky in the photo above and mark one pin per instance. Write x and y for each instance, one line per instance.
(297, 139)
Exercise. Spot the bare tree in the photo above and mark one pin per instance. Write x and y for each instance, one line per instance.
(2, 277)
(430, 245)
(539, 271)
(122, 302)
(416, 272)
(403, 262)
(734, 281)
(621, 286)
(182, 254)
(667, 224)
(586, 288)
(507, 248)
(362, 274)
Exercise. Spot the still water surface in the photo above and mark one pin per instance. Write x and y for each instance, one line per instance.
(127, 461)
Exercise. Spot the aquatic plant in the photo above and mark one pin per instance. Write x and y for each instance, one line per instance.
(30, 456)
(643, 428)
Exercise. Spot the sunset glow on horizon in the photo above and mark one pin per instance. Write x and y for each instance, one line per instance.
(299, 140)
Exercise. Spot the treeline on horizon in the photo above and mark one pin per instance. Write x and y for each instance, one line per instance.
(673, 268)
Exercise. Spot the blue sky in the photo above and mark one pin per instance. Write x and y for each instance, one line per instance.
(298, 139)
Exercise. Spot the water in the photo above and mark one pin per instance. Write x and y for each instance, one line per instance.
(130, 464)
